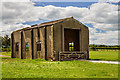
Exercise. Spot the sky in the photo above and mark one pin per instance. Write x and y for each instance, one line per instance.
(101, 16)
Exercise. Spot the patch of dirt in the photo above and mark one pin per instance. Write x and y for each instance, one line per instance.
(97, 61)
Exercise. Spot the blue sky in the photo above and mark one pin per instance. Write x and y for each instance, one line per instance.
(65, 4)
(100, 17)
(65, 0)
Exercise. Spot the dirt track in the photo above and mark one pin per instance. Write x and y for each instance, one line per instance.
(97, 61)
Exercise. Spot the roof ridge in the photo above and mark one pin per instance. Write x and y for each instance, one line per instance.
(55, 21)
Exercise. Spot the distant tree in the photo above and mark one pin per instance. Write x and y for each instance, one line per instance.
(1, 39)
(116, 46)
(5, 42)
(93, 46)
(102, 46)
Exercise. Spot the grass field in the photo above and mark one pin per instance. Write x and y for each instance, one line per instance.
(93, 55)
(104, 55)
(38, 68)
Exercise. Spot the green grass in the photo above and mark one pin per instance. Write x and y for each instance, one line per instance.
(5, 53)
(38, 68)
(104, 55)
(93, 55)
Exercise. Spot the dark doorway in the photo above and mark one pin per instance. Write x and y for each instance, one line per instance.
(71, 40)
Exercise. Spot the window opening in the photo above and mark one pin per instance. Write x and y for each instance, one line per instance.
(71, 46)
(17, 46)
(39, 46)
(27, 46)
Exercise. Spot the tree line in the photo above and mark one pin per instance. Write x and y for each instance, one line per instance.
(103, 47)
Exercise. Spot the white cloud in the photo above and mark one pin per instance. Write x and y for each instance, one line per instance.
(115, 1)
(8, 29)
(106, 27)
(109, 37)
(102, 13)
(15, 0)
(18, 12)
(103, 16)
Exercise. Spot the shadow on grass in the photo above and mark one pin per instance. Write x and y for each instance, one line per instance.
(104, 60)
(96, 59)
(7, 58)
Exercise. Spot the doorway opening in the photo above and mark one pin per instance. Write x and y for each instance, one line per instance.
(71, 39)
